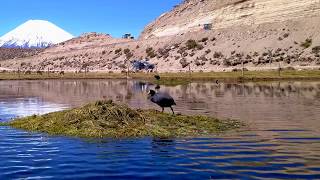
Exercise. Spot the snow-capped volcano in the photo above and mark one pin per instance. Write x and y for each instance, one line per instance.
(34, 34)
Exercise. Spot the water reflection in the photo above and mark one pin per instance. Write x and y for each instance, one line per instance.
(21, 106)
(293, 105)
(282, 141)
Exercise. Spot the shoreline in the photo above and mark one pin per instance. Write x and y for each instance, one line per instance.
(175, 78)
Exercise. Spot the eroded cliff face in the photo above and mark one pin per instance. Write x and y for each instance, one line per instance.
(191, 15)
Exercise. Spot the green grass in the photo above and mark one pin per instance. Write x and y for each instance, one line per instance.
(107, 119)
(182, 78)
(178, 78)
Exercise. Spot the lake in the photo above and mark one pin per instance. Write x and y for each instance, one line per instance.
(282, 139)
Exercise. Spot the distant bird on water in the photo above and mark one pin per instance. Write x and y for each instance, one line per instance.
(162, 99)
(157, 77)
(157, 87)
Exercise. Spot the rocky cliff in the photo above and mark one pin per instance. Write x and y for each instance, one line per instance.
(191, 15)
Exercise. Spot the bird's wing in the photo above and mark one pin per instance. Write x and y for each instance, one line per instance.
(167, 100)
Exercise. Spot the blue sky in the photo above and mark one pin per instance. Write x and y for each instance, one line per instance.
(115, 17)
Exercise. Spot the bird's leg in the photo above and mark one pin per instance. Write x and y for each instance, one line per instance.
(172, 110)
(162, 109)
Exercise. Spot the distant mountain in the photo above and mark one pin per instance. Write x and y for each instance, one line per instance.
(34, 34)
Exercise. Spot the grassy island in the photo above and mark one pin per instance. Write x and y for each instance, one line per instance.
(108, 119)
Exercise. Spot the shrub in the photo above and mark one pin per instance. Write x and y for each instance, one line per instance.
(226, 62)
(203, 58)
(217, 55)
(164, 51)
(192, 54)
(191, 44)
(208, 51)
(126, 51)
(204, 39)
(316, 49)
(149, 49)
(239, 55)
(181, 50)
(184, 62)
(129, 55)
(150, 52)
(176, 46)
(117, 51)
(214, 62)
(200, 47)
(122, 66)
(185, 54)
(307, 43)
(199, 63)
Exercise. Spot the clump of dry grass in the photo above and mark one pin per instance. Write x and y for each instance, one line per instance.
(107, 119)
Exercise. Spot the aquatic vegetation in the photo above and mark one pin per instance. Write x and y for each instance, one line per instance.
(108, 119)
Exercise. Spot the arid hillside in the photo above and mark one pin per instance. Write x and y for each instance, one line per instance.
(191, 15)
(200, 35)
(12, 53)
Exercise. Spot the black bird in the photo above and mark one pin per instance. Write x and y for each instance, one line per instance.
(157, 87)
(157, 77)
(162, 99)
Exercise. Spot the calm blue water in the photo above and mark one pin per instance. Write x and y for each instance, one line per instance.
(278, 144)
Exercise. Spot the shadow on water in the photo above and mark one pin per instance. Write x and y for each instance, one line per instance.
(282, 140)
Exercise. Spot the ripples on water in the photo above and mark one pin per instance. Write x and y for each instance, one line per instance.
(283, 140)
